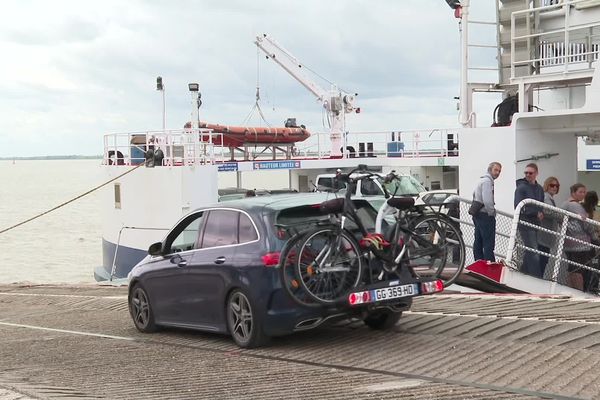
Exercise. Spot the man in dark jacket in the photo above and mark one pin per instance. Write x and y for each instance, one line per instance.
(528, 188)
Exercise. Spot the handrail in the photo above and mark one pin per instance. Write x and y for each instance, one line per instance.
(182, 147)
(561, 235)
(582, 51)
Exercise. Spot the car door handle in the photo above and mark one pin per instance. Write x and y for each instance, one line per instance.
(182, 263)
(220, 260)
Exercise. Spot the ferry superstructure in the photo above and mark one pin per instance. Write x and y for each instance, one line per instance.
(547, 57)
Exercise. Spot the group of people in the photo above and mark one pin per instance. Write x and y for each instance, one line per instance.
(537, 224)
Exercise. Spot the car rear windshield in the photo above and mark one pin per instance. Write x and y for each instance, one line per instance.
(404, 185)
(293, 220)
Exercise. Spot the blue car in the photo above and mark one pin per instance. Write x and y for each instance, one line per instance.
(218, 269)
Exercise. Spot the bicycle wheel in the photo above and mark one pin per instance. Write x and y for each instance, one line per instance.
(329, 264)
(290, 279)
(436, 248)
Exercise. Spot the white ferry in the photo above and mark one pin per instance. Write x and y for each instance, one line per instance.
(547, 56)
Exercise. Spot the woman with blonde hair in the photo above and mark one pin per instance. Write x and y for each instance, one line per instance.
(546, 240)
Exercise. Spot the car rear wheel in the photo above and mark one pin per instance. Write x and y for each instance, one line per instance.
(141, 310)
(383, 320)
(243, 322)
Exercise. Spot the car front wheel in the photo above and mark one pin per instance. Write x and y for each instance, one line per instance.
(243, 322)
(141, 310)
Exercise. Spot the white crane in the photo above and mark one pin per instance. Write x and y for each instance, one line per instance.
(336, 103)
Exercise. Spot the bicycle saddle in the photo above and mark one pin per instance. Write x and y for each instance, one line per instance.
(401, 203)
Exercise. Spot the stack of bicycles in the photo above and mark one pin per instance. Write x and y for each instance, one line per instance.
(343, 260)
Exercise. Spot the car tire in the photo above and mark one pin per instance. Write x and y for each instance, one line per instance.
(141, 311)
(382, 320)
(243, 322)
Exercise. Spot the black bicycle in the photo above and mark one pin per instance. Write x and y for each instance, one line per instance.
(322, 264)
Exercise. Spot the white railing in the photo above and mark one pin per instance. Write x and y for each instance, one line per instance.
(512, 248)
(178, 147)
(579, 44)
(413, 143)
(201, 146)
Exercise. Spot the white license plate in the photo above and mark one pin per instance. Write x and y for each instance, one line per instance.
(394, 292)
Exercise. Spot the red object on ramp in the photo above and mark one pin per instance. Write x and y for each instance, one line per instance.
(491, 270)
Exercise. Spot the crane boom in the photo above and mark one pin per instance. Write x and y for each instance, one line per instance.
(290, 64)
(335, 102)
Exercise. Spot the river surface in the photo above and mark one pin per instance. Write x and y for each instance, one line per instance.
(65, 245)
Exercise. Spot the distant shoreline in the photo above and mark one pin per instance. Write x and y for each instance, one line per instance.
(52, 158)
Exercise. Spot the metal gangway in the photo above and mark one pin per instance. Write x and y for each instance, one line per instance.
(511, 273)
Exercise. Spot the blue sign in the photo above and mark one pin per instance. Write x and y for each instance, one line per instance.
(288, 164)
(228, 166)
(593, 164)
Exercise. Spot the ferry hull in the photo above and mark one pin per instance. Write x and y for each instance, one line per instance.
(123, 261)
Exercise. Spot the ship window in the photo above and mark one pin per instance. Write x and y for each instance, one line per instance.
(117, 195)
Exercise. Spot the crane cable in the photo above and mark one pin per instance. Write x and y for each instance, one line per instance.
(256, 105)
(69, 201)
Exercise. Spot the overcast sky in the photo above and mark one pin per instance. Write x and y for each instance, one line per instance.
(72, 71)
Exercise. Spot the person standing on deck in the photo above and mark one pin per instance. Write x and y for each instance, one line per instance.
(485, 219)
(547, 240)
(528, 188)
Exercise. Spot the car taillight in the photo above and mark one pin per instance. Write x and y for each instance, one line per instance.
(359, 298)
(271, 259)
(432, 287)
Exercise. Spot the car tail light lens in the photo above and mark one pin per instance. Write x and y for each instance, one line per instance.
(432, 287)
(271, 259)
(359, 298)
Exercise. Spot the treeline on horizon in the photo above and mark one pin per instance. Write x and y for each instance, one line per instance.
(72, 157)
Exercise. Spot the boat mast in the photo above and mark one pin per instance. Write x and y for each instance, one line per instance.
(465, 107)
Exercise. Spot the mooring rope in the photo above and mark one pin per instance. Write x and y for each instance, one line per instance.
(70, 201)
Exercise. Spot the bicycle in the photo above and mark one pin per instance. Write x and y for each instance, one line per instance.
(323, 264)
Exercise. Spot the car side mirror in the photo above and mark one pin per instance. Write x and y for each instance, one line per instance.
(155, 249)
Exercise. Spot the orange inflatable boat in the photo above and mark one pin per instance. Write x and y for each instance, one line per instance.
(234, 136)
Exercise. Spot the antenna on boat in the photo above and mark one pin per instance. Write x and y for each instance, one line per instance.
(461, 11)
(161, 87)
(196, 103)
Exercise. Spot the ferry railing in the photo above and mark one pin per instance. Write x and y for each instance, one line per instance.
(503, 229)
(123, 228)
(561, 262)
(412, 143)
(514, 249)
(179, 147)
(548, 51)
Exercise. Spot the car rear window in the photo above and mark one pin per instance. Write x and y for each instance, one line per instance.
(292, 220)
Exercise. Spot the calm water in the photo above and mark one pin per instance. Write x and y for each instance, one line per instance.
(64, 245)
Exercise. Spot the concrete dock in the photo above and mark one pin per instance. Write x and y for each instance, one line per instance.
(78, 342)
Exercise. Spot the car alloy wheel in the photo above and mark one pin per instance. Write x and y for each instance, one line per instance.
(242, 321)
(141, 311)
